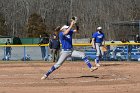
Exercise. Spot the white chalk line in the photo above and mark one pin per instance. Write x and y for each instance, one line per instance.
(7, 75)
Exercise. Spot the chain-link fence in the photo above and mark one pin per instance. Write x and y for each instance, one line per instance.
(115, 52)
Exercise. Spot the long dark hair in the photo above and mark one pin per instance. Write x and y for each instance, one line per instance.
(58, 28)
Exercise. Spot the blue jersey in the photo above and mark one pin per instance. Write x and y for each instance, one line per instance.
(99, 37)
(66, 40)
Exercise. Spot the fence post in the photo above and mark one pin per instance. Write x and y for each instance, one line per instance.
(127, 53)
(4, 52)
(24, 54)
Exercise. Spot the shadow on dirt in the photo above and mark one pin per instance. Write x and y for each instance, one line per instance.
(89, 76)
(111, 64)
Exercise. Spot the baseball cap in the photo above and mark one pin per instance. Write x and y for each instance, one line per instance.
(64, 27)
(99, 28)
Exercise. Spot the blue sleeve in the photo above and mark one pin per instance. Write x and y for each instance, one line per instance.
(61, 35)
(71, 31)
(94, 35)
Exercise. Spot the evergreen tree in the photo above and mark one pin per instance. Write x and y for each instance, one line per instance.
(35, 26)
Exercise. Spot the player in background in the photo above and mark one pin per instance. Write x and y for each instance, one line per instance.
(97, 43)
(65, 36)
(54, 45)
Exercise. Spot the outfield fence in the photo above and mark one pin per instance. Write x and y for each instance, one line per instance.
(115, 52)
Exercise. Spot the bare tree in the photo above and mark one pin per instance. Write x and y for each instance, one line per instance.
(91, 13)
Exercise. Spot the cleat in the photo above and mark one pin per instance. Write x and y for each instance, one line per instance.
(97, 65)
(93, 68)
(44, 77)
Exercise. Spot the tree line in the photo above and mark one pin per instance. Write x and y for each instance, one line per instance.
(30, 18)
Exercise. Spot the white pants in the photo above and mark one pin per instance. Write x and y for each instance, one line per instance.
(65, 54)
(99, 51)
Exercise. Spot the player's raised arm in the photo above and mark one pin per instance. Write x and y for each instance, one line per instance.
(77, 28)
(67, 30)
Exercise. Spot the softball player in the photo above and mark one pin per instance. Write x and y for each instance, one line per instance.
(97, 40)
(67, 49)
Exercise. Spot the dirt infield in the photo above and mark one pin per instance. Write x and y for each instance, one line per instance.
(72, 77)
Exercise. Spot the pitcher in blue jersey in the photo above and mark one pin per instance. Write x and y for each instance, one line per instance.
(65, 36)
(97, 43)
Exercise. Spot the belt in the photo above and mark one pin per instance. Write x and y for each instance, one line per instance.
(67, 49)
